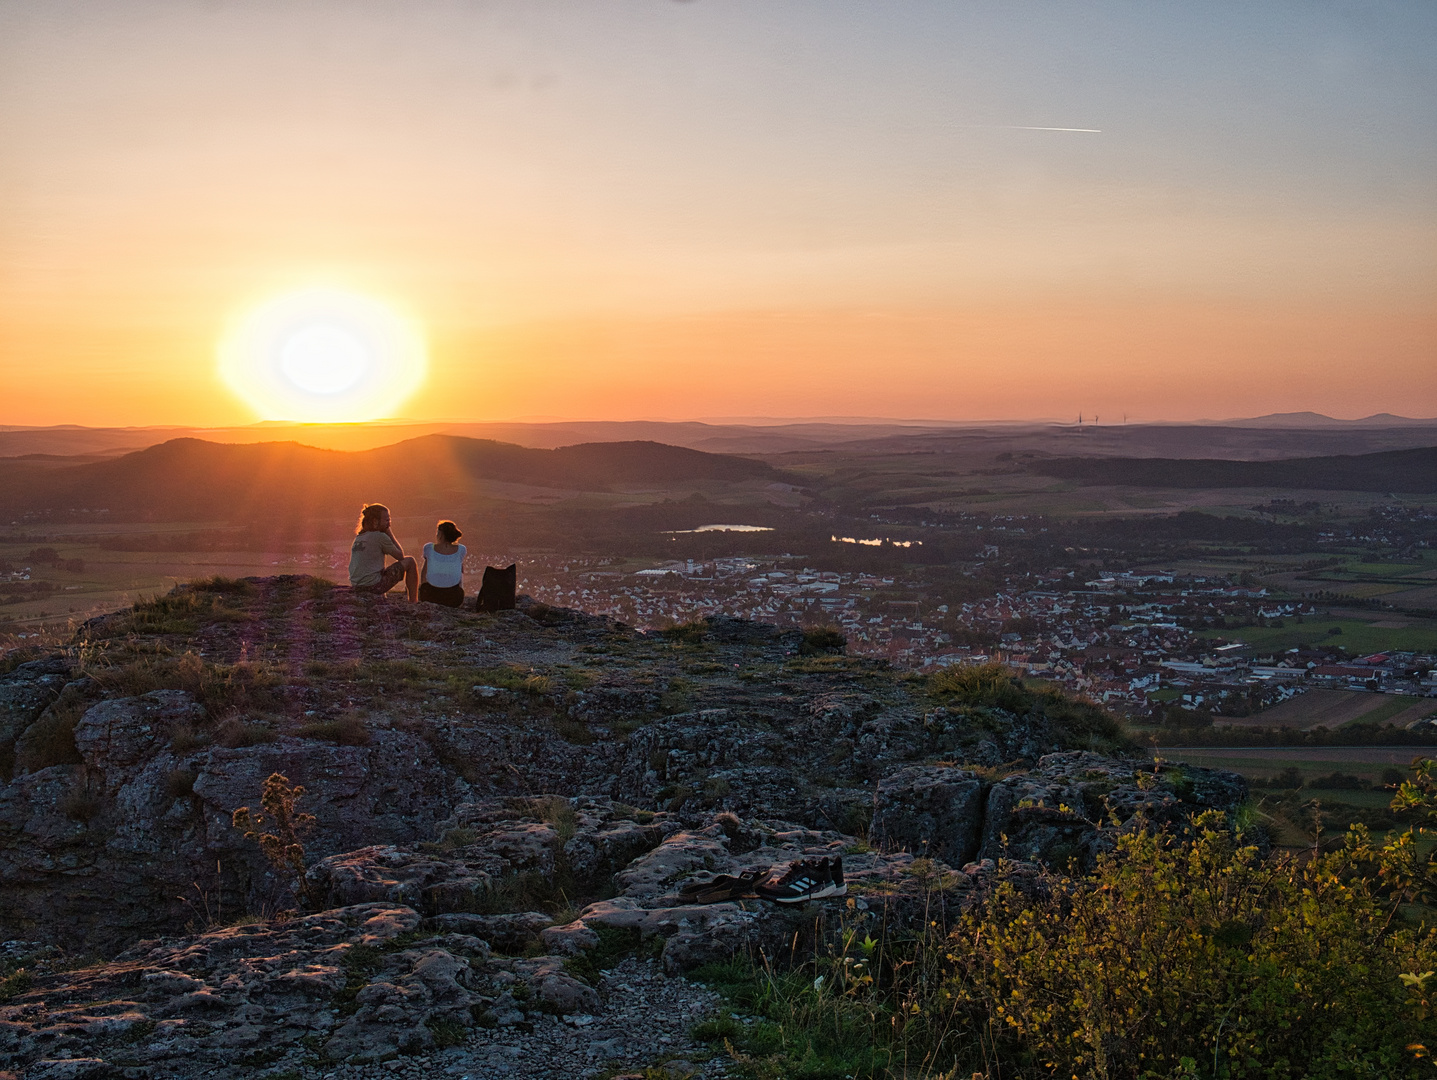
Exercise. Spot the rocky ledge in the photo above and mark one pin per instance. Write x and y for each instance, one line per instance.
(414, 961)
(505, 808)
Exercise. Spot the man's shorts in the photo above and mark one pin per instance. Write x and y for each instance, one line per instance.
(389, 577)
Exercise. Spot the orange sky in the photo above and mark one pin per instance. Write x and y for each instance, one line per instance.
(687, 210)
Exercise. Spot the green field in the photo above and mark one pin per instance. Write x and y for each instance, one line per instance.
(1357, 637)
(1367, 762)
(1395, 703)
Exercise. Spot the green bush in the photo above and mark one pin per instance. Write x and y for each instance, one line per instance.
(1178, 957)
(823, 639)
(1196, 958)
(990, 684)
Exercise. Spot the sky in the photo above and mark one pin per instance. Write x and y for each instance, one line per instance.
(616, 209)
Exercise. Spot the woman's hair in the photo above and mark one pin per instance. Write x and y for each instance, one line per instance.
(370, 516)
(449, 531)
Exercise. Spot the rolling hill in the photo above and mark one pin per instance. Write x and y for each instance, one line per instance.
(190, 479)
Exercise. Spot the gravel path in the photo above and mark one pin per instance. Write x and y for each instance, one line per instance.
(645, 1022)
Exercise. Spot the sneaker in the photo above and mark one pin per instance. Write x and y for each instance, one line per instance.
(840, 883)
(721, 888)
(803, 881)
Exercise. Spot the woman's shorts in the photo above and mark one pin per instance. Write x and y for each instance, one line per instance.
(449, 596)
(389, 577)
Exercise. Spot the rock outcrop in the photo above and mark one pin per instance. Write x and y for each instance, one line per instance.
(469, 776)
(137, 749)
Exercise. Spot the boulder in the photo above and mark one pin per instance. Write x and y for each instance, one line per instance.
(934, 810)
(26, 691)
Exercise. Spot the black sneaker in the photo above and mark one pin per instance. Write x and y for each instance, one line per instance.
(719, 889)
(803, 881)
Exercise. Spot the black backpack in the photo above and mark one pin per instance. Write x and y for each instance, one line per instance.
(497, 591)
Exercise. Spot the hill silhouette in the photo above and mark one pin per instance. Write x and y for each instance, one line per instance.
(193, 480)
(1411, 471)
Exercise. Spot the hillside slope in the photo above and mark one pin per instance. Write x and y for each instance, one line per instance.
(194, 480)
(1408, 471)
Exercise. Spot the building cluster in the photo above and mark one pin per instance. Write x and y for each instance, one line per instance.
(1132, 640)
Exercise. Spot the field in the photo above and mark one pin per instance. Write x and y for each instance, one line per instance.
(1367, 762)
(110, 579)
(1359, 636)
(1333, 708)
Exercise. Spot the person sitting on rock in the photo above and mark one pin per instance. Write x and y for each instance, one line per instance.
(441, 581)
(373, 540)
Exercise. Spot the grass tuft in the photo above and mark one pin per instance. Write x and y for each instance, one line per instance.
(347, 731)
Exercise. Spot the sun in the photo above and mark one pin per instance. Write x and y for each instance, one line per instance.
(323, 356)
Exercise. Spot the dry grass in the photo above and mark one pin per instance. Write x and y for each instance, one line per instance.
(220, 688)
(180, 783)
(81, 803)
(236, 733)
(50, 740)
(347, 731)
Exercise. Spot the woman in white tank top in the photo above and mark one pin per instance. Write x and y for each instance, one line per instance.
(442, 578)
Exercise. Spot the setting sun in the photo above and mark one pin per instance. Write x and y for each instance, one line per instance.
(322, 355)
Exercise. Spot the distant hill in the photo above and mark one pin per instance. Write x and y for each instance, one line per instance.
(194, 480)
(1318, 420)
(1410, 471)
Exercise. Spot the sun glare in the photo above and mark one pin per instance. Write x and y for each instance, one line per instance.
(323, 355)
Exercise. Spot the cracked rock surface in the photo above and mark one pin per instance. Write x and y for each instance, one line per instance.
(506, 809)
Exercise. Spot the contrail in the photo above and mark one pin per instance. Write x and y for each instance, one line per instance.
(1025, 127)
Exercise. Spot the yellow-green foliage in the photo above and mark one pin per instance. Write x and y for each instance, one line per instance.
(1198, 958)
(184, 609)
(995, 685)
(980, 684)
(512, 677)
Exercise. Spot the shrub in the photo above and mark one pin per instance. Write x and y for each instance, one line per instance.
(823, 639)
(277, 827)
(180, 784)
(991, 684)
(1338, 781)
(81, 803)
(1195, 958)
(1178, 957)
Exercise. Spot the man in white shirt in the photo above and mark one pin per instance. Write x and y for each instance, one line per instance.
(373, 540)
